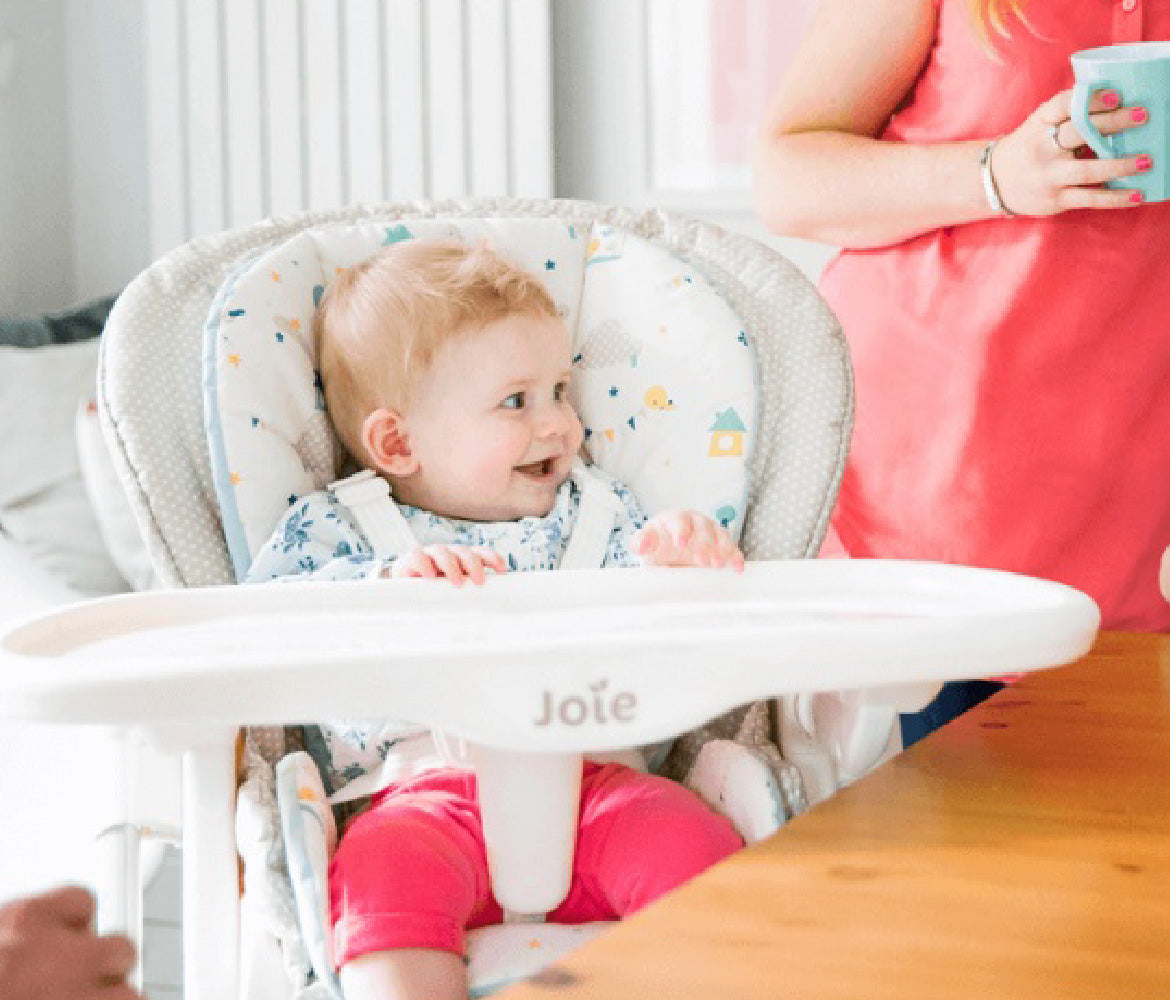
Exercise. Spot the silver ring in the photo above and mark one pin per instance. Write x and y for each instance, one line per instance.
(1054, 134)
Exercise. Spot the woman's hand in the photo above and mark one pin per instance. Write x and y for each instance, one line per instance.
(455, 562)
(48, 950)
(1034, 177)
(686, 538)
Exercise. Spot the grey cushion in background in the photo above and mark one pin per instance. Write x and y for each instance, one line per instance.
(48, 370)
(80, 323)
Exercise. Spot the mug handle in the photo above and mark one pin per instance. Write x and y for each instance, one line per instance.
(1082, 93)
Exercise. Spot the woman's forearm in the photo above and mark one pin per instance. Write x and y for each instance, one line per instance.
(857, 192)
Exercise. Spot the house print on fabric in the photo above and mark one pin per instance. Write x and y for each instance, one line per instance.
(727, 435)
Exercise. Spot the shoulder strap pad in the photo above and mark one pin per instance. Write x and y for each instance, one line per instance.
(367, 497)
(595, 520)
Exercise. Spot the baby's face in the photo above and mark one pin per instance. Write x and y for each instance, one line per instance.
(491, 425)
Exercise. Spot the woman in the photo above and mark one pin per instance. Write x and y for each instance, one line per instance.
(1007, 319)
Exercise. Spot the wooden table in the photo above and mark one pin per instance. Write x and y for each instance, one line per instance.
(1022, 851)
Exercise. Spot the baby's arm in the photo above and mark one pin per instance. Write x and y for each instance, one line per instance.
(686, 538)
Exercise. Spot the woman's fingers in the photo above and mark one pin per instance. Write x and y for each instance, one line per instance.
(1038, 168)
(110, 959)
(1077, 179)
(1058, 108)
(1106, 122)
(1087, 197)
(70, 905)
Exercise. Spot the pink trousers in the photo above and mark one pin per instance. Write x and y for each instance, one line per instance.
(411, 871)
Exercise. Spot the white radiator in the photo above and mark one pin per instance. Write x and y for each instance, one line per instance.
(262, 108)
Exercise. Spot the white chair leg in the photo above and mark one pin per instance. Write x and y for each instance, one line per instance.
(211, 920)
(836, 737)
(119, 887)
(529, 807)
(855, 730)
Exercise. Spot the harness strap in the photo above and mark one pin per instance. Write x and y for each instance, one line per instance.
(595, 520)
(367, 496)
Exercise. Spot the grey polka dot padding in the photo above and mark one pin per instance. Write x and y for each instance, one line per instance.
(150, 376)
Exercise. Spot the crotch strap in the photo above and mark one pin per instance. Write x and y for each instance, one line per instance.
(367, 497)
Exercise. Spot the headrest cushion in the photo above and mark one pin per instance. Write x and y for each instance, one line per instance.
(664, 380)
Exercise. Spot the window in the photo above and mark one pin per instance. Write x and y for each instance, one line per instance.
(713, 66)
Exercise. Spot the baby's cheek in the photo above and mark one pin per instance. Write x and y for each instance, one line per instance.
(494, 458)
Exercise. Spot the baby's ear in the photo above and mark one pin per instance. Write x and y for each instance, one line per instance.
(387, 443)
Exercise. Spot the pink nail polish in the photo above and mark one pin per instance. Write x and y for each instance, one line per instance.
(1138, 115)
(1144, 162)
(1110, 99)
(1137, 197)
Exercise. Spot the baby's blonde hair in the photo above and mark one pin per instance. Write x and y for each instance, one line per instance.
(379, 324)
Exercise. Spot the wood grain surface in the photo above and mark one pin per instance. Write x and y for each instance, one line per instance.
(1021, 851)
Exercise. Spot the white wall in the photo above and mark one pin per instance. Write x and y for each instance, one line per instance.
(73, 169)
(35, 257)
(72, 152)
(601, 124)
(107, 127)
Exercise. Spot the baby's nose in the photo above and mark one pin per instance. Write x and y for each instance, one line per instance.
(553, 423)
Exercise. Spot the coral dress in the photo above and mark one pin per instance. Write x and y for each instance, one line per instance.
(1013, 375)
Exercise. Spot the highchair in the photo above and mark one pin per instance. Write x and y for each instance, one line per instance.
(708, 374)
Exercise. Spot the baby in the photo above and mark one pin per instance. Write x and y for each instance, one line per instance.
(446, 372)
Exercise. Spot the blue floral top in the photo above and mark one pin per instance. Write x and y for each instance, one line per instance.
(318, 539)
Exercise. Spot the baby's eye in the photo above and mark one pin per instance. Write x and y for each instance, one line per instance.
(514, 401)
(560, 391)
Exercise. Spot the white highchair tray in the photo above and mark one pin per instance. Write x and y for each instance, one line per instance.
(568, 661)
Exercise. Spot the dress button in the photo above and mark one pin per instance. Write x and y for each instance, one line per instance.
(1128, 5)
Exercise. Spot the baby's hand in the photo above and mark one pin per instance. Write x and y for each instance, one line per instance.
(686, 538)
(456, 562)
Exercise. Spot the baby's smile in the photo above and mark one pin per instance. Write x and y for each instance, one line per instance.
(545, 469)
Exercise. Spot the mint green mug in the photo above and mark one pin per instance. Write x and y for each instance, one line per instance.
(1140, 74)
